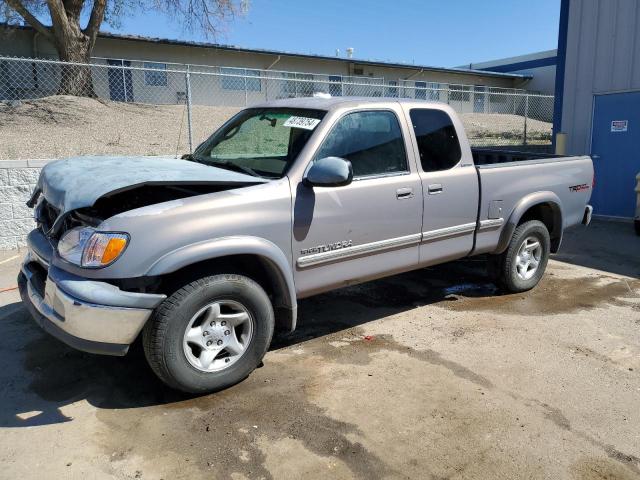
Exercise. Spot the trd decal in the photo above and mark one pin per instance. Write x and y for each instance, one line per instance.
(578, 188)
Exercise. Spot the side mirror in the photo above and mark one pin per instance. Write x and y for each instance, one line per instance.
(329, 172)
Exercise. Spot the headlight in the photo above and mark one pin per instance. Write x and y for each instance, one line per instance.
(104, 248)
(85, 247)
(72, 243)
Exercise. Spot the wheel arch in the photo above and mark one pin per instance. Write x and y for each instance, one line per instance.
(542, 206)
(255, 257)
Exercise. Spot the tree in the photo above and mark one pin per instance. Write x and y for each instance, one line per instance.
(74, 43)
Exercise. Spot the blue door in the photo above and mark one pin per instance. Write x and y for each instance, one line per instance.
(120, 82)
(478, 99)
(615, 149)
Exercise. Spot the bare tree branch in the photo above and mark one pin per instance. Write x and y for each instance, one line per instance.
(74, 43)
(95, 20)
(58, 17)
(29, 17)
(205, 15)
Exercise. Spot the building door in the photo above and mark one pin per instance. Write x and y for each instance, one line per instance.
(615, 149)
(479, 99)
(335, 85)
(120, 82)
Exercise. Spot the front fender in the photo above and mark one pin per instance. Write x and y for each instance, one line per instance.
(273, 257)
(521, 208)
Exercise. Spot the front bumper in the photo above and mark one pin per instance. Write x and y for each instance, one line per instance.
(88, 315)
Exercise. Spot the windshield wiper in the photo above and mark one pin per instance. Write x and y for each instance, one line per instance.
(234, 166)
(226, 164)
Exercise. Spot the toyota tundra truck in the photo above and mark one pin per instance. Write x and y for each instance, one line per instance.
(204, 257)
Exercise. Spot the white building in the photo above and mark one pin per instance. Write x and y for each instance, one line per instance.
(246, 75)
(541, 66)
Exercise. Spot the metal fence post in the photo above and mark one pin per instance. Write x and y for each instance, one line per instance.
(187, 81)
(266, 87)
(124, 81)
(245, 89)
(526, 114)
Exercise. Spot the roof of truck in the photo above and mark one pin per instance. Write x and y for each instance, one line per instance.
(327, 103)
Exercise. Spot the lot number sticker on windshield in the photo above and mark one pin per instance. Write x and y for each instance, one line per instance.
(301, 122)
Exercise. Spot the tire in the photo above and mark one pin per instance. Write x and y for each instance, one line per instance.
(513, 275)
(636, 224)
(243, 323)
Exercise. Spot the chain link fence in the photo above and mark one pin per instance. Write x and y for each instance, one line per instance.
(51, 108)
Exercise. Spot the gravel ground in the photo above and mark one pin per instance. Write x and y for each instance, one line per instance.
(485, 128)
(63, 126)
(432, 374)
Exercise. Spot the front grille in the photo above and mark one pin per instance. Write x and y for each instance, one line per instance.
(46, 214)
(38, 277)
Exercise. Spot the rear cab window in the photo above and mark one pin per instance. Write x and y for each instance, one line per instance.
(437, 139)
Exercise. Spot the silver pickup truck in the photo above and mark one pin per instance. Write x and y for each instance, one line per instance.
(204, 257)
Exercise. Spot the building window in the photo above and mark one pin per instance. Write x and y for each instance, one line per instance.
(392, 89)
(306, 88)
(18, 76)
(335, 85)
(460, 93)
(241, 79)
(434, 91)
(421, 90)
(156, 75)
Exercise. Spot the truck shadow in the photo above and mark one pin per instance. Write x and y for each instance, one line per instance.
(609, 246)
(43, 377)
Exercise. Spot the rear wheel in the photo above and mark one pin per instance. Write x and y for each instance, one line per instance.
(522, 265)
(210, 334)
(636, 224)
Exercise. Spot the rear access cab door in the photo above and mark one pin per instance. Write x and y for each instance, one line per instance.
(449, 182)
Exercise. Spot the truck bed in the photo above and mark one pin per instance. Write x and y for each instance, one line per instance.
(489, 156)
(566, 181)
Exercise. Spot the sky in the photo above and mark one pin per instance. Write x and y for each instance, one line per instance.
(424, 32)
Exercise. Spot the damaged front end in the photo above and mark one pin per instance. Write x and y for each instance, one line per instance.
(85, 191)
(72, 199)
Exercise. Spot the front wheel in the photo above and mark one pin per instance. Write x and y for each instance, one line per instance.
(210, 334)
(522, 265)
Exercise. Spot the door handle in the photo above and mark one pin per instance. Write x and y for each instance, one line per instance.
(403, 193)
(434, 188)
(595, 157)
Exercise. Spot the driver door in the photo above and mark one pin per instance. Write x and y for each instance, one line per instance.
(369, 228)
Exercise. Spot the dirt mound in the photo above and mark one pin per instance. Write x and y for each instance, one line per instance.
(63, 126)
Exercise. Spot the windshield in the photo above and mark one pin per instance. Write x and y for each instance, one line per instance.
(260, 141)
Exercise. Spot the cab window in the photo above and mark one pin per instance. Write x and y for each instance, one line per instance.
(371, 140)
(437, 139)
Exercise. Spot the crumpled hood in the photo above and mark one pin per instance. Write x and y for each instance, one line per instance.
(79, 182)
